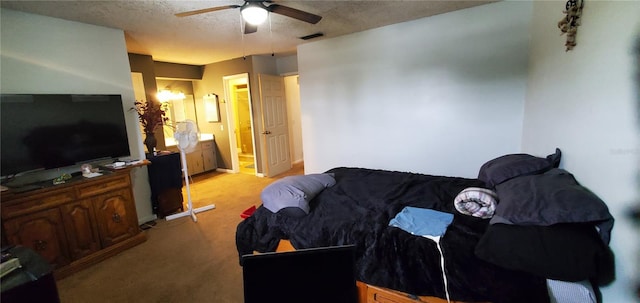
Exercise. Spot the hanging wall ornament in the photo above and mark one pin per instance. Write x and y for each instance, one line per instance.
(569, 24)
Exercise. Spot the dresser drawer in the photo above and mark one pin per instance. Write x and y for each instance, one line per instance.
(381, 295)
(104, 186)
(384, 295)
(36, 202)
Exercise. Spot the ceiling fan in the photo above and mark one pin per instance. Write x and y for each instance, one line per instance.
(254, 12)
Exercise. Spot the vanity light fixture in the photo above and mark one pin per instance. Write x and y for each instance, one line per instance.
(166, 95)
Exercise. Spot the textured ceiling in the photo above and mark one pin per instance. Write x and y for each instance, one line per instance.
(151, 27)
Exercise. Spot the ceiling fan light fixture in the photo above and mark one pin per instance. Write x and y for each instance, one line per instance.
(254, 13)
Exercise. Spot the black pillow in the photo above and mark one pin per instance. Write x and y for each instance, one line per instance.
(551, 198)
(506, 167)
(567, 252)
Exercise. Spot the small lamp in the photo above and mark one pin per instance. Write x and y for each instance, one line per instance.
(254, 13)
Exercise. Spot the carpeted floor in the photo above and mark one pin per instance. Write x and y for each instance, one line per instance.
(182, 260)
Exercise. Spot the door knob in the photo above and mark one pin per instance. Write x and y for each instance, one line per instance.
(266, 132)
(40, 245)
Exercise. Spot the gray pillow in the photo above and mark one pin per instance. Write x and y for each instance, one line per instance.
(295, 192)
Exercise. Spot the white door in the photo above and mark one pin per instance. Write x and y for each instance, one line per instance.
(275, 130)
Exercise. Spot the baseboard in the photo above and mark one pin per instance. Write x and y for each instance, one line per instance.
(224, 170)
(147, 218)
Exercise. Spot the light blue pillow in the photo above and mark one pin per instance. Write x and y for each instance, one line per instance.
(295, 191)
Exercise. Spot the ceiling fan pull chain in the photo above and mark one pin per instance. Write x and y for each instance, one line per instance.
(242, 25)
(271, 36)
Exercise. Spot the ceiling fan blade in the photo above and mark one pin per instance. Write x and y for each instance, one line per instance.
(206, 10)
(294, 13)
(250, 28)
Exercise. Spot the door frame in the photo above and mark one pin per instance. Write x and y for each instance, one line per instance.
(228, 82)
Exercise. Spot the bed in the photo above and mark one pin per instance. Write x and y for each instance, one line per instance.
(543, 226)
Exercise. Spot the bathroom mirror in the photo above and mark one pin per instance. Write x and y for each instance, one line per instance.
(178, 110)
(211, 108)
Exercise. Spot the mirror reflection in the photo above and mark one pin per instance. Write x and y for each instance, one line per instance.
(178, 110)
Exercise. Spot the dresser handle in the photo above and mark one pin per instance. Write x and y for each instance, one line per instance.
(116, 218)
(40, 245)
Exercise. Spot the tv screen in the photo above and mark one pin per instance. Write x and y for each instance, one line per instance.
(46, 131)
(325, 274)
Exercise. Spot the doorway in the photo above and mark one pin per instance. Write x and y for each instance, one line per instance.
(241, 126)
(244, 130)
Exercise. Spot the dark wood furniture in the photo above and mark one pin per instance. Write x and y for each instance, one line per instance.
(76, 224)
(33, 282)
(165, 180)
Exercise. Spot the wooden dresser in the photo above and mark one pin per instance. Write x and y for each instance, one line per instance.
(76, 224)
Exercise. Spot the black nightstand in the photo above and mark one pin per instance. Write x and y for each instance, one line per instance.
(165, 179)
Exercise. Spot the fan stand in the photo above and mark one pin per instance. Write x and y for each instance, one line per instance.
(190, 211)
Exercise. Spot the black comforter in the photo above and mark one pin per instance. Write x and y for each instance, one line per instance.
(357, 210)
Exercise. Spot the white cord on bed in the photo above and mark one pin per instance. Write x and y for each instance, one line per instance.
(444, 276)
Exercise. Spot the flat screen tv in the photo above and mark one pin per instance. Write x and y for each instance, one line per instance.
(47, 131)
(314, 275)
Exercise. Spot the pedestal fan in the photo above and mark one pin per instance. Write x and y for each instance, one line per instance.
(186, 135)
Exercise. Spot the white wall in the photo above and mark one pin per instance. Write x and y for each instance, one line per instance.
(287, 65)
(586, 101)
(47, 55)
(439, 95)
